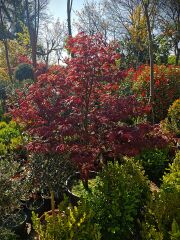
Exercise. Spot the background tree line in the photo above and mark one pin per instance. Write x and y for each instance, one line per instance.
(139, 25)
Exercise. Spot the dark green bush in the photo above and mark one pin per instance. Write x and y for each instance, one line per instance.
(24, 71)
(50, 171)
(118, 199)
(154, 162)
(162, 220)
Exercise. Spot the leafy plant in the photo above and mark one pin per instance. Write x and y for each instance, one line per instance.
(68, 224)
(50, 171)
(163, 213)
(154, 162)
(166, 85)
(172, 122)
(118, 199)
(6, 234)
(11, 189)
(175, 233)
(24, 71)
(11, 138)
(77, 109)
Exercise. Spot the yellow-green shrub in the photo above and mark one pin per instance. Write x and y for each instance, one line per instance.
(172, 122)
(10, 137)
(162, 220)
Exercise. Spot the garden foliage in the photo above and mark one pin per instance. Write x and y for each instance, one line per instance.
(167, 87)
(10, 137)
(154, 162)
(162, 219)
(24, 71)
(68, 224)
(78, 109)
(172, 122)
(9, 188)
(118, 199)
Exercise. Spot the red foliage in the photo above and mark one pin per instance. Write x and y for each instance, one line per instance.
(23, 59)
(166, 86)
(77, 108)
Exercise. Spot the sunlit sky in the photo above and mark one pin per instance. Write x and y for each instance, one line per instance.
(58, 8)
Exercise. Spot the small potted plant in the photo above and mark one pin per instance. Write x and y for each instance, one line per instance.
(49, 172)
(75, 185)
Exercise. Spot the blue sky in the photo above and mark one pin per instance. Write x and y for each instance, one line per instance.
(58, 7)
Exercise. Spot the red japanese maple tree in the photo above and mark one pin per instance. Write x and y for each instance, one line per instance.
(77, 108)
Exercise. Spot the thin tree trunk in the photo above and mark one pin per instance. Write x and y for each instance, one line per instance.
(32, 33)
(151, 59)
(69, 8)
(5, 42)
(7, 59)
(177, 56)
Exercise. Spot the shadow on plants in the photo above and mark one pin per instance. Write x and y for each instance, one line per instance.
(155, 163)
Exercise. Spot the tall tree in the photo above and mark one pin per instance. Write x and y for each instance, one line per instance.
(92, 19)
(33, 10)
(69, 9)
(33, 27)
(137, 37)
(4, 36)
(150, 12)
(169, 19)
(52, 35)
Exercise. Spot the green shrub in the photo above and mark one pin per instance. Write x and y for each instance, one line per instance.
(9, 188)
(154, 163)
(6, 234)
(163, 213)
(172, 122)
(24, 71)
(69, 224)
(118, 199)
(50, 171)
(172, 60)
(175, 232)
(10, 137)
